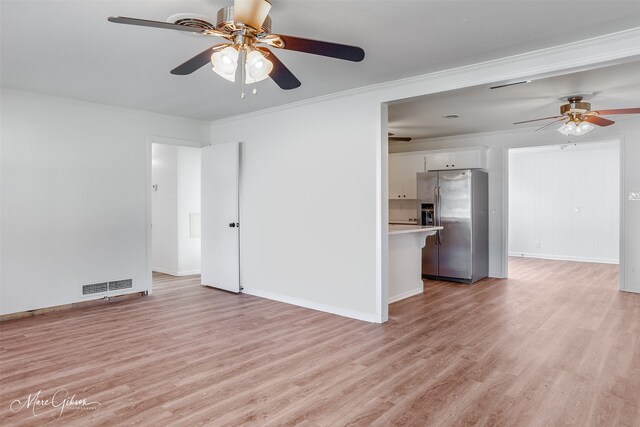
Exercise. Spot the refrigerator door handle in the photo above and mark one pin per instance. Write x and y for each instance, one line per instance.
(435, 212)
(439, 239)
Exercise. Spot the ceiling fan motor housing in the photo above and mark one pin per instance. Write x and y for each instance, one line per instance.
(226, 23)
(575, 106)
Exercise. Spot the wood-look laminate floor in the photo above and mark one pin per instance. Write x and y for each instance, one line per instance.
(556, 344)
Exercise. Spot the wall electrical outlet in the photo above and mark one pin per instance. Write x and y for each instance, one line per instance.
(634, 195)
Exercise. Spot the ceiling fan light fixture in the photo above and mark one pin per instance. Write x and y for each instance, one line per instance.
(258, 67)
(567, 128)
(225, 63)
(585, 128)
(572, 129)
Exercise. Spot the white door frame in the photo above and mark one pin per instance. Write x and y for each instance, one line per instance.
(505, 200)
(153, 139)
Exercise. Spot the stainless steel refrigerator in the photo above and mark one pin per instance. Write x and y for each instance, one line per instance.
(457, 200)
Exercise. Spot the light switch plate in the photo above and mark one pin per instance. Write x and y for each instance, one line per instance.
(634, 195)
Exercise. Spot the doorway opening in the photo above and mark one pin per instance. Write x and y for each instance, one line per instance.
(482, 126)
(564, 210)
(175, 216)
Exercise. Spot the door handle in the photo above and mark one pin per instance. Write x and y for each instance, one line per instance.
(234, 224)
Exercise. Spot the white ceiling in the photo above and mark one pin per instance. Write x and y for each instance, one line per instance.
(67, 48)
(485, 110)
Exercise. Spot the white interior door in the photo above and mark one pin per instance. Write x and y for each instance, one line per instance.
(219, 219)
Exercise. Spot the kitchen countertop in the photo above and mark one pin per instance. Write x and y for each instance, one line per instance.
(404, 229)
(405, 259)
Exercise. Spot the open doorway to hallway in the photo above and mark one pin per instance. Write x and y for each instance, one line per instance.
(564, 205)
(175, 213)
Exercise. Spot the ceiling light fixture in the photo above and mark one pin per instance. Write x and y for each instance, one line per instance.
(575, 127)
(256, 66)
(578, 117)
(225, 63)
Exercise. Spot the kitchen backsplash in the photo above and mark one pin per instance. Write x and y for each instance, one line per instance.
(403, 210)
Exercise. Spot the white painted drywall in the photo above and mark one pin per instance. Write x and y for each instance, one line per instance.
(308, 203)
(164, 208)
(74, 192)
(626, 129)
(564, 202)
(188, 185)
(176, 176)
(403, 210)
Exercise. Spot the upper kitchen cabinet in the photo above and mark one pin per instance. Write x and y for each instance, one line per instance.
(402, 175)
(463, 159)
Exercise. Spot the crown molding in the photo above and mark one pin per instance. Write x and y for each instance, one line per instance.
(590, 53)
(109, 107)
(472, 137)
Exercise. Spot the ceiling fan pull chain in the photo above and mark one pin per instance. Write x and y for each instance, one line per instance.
(243, 60)
(255, 91)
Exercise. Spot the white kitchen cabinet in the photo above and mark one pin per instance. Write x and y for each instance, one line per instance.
(457, 160)
(402, 175)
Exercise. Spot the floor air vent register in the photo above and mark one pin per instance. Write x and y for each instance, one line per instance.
(97, 288)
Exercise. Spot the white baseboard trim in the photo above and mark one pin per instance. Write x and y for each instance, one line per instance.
(632, 287)
(175, 273)
(497, 275)
(407, 294)
(372, 318)
(188, 273)
(564, 258)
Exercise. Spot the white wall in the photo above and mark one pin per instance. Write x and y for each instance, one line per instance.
(626, 129)
(176, 173)
(74, 193)
(308, 204)
(403, 210)
(188, 184)
(564, 202)
(164, 211)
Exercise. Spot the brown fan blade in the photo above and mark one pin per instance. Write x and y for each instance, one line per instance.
(316, 47)
(399, 138)
(618, 111)
(599, 121)
(537, 120)
(198, 61)
(251, 12)
(280, 73)
(549, 124)
(154, 24)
